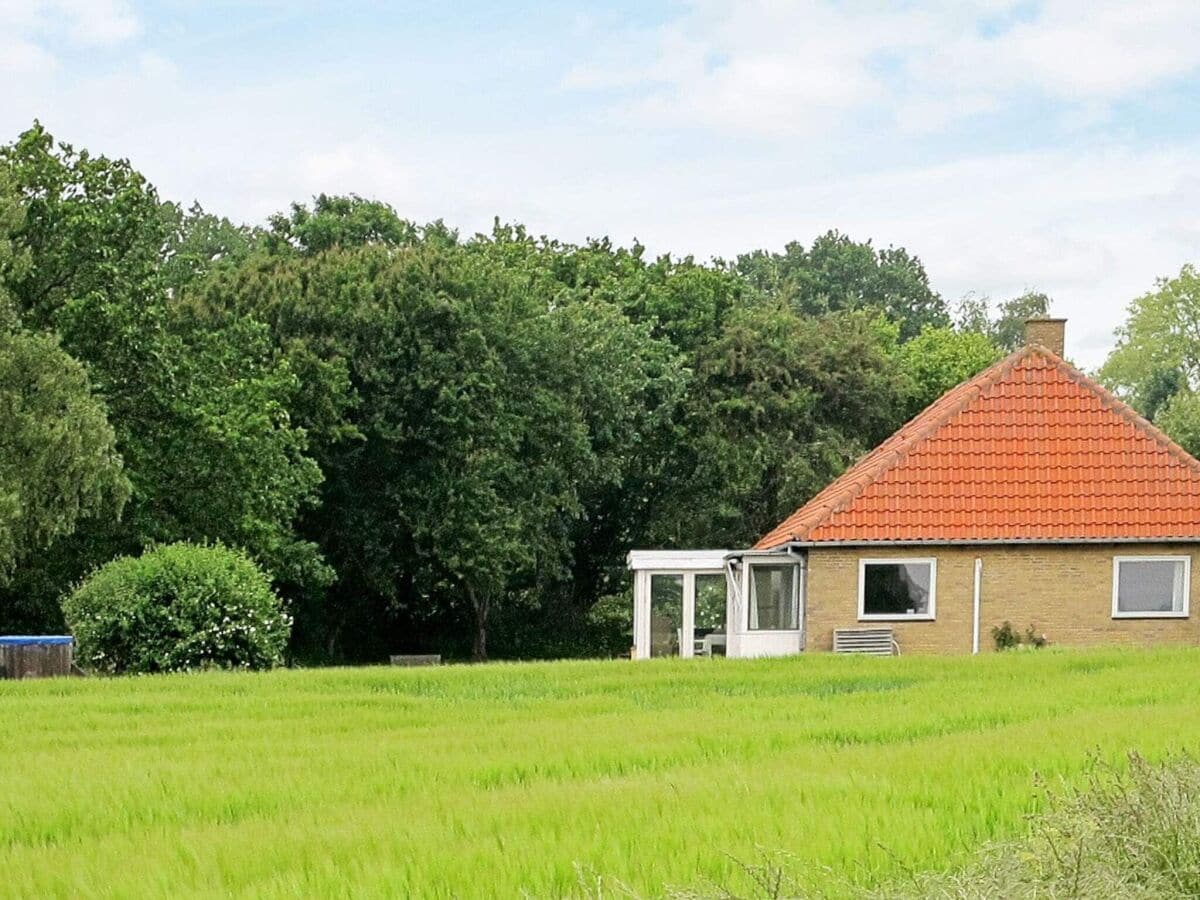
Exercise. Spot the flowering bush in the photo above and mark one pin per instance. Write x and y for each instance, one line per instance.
(176, 607)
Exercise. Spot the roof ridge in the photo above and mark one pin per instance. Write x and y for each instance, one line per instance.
(897, 447)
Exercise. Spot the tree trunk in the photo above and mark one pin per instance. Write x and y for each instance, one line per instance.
(480, 605)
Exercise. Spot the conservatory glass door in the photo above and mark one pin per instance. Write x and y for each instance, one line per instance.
(666, 615)
(709, 631)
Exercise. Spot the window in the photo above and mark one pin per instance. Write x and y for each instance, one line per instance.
(1146, 587)
(774, 598)
(710, 603)
(897, 588)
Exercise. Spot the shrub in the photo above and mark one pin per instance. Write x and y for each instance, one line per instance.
(177, 607)
(1005, 636)
(1008, 638)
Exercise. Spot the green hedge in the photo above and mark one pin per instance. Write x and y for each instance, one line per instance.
(177, 607)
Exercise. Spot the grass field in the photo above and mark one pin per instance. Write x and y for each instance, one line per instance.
(493, 780)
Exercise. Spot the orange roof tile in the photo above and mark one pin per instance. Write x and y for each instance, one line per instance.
(1030, 449)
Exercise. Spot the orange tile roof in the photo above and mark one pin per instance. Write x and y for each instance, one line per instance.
(1030, 449)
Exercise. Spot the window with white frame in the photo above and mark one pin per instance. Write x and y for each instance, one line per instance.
(897, 588)
(1147, 587)
(774, 597)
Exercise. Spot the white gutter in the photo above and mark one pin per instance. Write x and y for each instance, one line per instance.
(977, 598)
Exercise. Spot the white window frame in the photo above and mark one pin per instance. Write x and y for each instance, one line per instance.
(1172, 614)
(864, 616)
(797, 599)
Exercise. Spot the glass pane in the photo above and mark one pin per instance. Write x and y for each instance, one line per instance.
(896, 589)
(773, 601)
(710, 604)
(666, 614)
(1153, 585)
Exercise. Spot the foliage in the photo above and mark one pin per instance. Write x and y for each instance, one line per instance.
(14, 259)
(939, 358)
(766, 422)
(1005, 636)
(92, 225)
(198, 243)
(201, 414)
(1008, 638)
(58, 460)
(1156, 363)
(837, 273)
(178, 607)
(1006, 327)
(285, 784)
(483, 407)
(339, 222)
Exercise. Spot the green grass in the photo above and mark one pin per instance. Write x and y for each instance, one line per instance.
(493, 780)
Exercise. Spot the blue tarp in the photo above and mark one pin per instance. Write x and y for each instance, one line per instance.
(33, 640)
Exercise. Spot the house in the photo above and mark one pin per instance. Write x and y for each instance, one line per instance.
(1028, 494)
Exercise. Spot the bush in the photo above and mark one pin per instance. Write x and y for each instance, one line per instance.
(1008, 638)
(177, 607)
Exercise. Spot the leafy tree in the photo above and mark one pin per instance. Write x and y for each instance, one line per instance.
(90, 225)
(339, 221)
(14, 259)
(781, 404)
(1180, 418)
(837, 273)
(1006, 328)
(201, 414)
(58, 460)
(939, 358)
(1158, 347)
(197, 242)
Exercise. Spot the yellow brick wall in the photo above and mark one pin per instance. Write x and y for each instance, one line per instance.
(1062, 590)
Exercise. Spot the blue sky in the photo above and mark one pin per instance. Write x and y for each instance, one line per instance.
(1011, 145)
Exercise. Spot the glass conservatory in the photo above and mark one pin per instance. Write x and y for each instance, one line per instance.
(717, 603)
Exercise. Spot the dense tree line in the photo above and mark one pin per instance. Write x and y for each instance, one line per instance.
(429, 441)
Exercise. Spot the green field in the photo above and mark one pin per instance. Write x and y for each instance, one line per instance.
(498, 779)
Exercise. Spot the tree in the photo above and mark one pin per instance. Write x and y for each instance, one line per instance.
(780, 405)
(1156, 363)
(197, 242)
(1006, 329)
(201, 414)
(1159, 344)
(58, 460)
(837, 273)
(339, 221)
(939, 358)
(1180, 418)
(499, 396)
(14, 259)
(90, 225)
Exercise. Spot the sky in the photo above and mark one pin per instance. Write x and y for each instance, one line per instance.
(1050, 145)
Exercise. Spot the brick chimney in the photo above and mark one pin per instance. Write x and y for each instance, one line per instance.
(1050, 333)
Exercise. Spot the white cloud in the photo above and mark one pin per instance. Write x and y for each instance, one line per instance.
(28, 27)
(95, 22)
(788, 68)
(83, 22)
